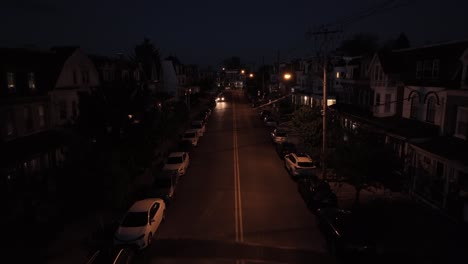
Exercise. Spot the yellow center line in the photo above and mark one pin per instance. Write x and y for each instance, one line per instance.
(237, 192)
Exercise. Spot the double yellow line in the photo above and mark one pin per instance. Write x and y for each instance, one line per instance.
(237, 188)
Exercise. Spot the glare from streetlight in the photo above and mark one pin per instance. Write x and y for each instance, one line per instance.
(242, 71)
(251, 75)
(287, 76)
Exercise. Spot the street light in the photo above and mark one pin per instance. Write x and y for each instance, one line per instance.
(251, 75)
(287, 76)
(242, 71)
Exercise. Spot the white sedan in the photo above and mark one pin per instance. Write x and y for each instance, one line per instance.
(199, 126)
(140, 223)
(191, 135)
(178, 162)
(298, 164)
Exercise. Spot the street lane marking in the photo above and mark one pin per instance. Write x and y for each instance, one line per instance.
(237, 192)
(237, 188)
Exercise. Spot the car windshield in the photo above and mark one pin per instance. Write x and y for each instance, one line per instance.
(305, 164)
(134, 219)
(189, 135)
(280, 134)
(174, 160)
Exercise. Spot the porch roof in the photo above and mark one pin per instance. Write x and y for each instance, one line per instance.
(451, 148)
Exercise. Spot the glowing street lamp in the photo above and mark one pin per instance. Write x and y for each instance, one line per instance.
(251, 75)
(287, 76)
(242, 71)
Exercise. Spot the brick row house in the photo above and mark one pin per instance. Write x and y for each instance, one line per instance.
(39, 98)
(417, 99)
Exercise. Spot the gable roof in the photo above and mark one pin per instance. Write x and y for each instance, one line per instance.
(448, 55)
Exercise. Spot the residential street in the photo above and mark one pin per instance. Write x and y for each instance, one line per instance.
(236, 202)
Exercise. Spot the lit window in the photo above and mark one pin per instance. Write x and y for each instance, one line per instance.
(11, 81)
(31, 80)
(430, 114)
(337, 75)
(461, 129)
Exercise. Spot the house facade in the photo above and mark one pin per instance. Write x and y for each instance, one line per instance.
(75, 74)
(32, 149)
(417, 103)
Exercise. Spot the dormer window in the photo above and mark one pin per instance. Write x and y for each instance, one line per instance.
(435, 69)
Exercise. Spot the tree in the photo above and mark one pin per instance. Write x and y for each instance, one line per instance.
(359, 44)
(148, 55)
(401, 42)
(309, 124)
(364, 163)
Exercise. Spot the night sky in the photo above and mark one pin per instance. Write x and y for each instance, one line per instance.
(207, 31)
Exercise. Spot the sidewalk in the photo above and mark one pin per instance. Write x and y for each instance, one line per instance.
(72, 245)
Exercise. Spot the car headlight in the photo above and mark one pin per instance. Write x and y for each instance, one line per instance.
(222, 98)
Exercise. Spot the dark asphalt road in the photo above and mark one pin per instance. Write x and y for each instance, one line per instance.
(208, 223)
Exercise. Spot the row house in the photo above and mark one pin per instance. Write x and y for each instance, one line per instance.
(417, 102)
(121, 81)
(309, 85)
(39, 95)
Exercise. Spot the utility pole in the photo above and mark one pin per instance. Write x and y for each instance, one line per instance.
(324, 32)
(263, 75)
(278, 70)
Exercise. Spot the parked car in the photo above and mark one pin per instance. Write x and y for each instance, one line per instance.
(183, 146)
(112, 255)
(140, 223)
(349, 235)
(316, 192)
(271, 121)
(203, 115)
(191, 135)
(278, 136)
(199, 126)
(299, 164)
(285, 148)
(164, 185)
(178, 162)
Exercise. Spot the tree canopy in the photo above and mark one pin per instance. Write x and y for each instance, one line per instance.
(364, 163)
